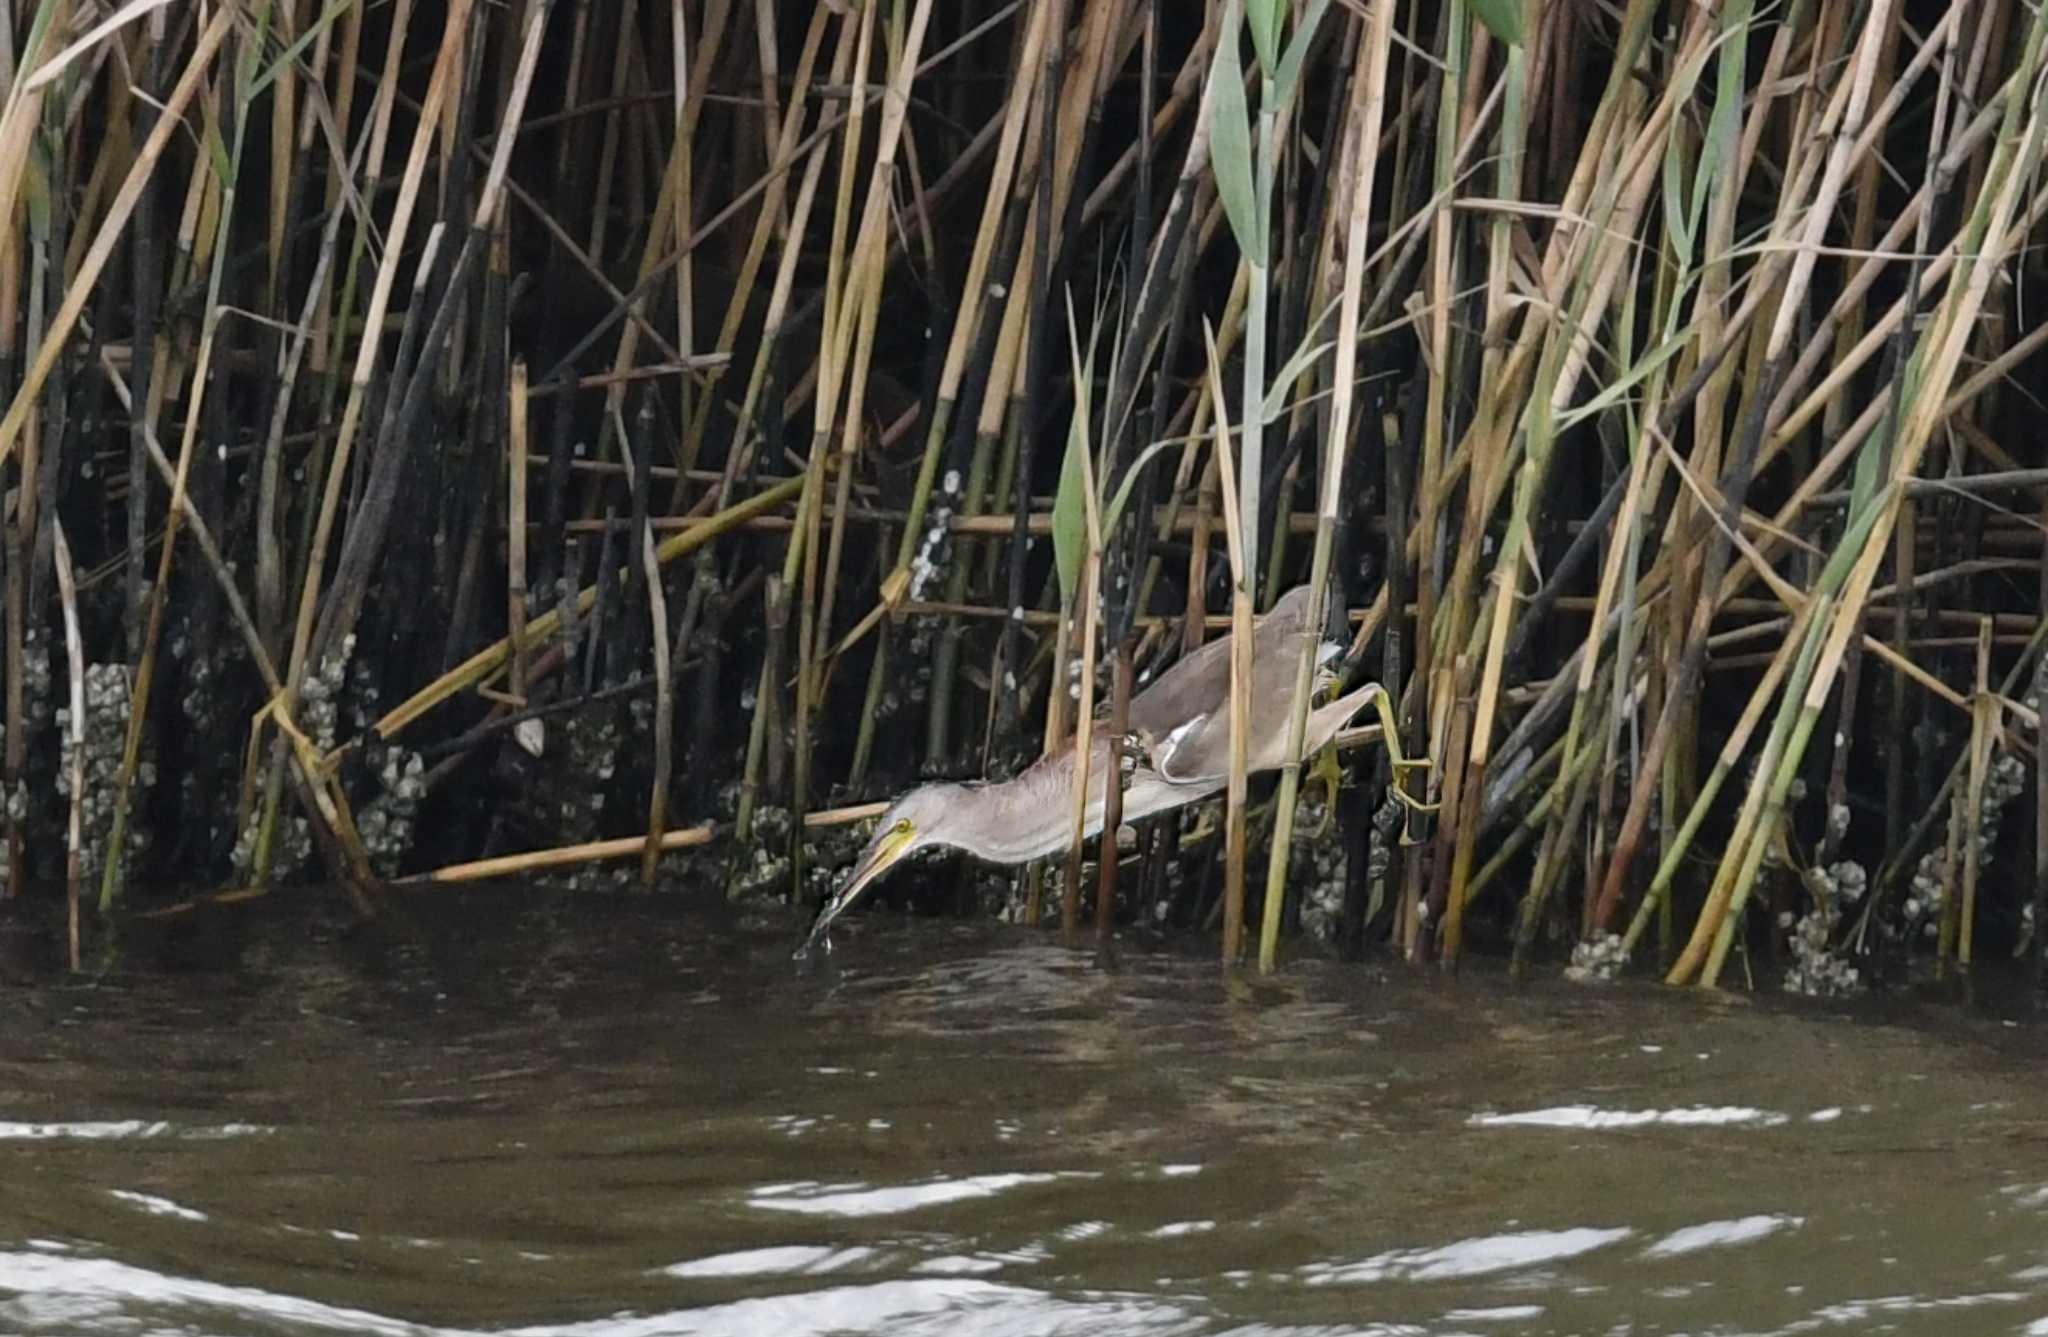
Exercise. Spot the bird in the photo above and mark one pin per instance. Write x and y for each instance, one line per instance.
(1179, 752)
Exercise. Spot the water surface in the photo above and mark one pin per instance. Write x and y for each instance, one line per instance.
(524, 1113)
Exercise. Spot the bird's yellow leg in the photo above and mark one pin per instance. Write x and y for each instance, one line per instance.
(1390, 734)
(1214, 825)
(1204, 828)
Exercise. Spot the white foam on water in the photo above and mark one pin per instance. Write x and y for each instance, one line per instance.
(1721, 1234)
(156, 1206)
(1593, 1118)
(859, 1200)
(1468, 1258)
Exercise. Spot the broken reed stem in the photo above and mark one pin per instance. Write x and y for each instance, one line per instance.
(516, 865)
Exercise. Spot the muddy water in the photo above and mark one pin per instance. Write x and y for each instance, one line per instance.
(534, 1115)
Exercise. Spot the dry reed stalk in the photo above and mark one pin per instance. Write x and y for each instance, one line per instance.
(1363, 121)
(1842, 122)
(852, 284)
(664, 690)
(1240, 670)
(355, 867)
(1990, 231)
(109, 235)
(512, 865)
(310, 601)
(1054, 736)
(1563, 361)
(1984, 736)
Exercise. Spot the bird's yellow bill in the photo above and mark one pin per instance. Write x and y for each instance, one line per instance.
(881, 854)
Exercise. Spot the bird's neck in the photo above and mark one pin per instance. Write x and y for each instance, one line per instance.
(1032, 816)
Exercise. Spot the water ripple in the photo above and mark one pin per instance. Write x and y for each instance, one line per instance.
(1468, 1258)
(1597, 1119)
(102, 1130)
(1720, 1234)
(858, 1200)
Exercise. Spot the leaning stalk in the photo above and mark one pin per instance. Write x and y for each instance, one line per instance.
(1368, 106)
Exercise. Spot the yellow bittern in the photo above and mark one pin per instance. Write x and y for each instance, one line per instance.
(1179, 733)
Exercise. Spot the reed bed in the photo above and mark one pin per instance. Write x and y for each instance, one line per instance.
(618, 443)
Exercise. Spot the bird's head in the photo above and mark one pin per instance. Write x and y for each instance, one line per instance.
(921, 819)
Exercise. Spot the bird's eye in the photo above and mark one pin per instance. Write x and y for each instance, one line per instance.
(902, 826)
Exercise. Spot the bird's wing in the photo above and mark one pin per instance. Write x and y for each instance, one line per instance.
(1198, 684)
(1183, 746)
(1197, 751)
(1194, 685)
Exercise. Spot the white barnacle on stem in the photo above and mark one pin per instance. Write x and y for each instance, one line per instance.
(1598, 959)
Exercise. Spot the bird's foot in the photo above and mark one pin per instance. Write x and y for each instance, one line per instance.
(1414, 805)
(1257, 820)
(1409, 801)
(1390, 732)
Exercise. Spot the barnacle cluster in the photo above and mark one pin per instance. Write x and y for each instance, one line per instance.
(766, 871)
(204, 661)
(1013, 901)
(17, 813)
(35, 673)
(363, 692)
(592, 739)
(1598, 959)
(1105, 678)
(1318, 866)
(1818, 971)
(291, 846)
(320, 697)
(98, 752)
(23, 802)
(933, 547)
(386, 821)
(1924, 905)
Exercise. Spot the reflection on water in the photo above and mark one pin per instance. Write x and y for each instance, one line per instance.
(531, 1115)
